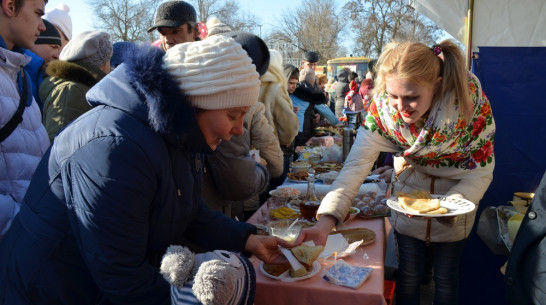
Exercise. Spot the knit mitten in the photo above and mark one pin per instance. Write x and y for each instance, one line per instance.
(228, 279)
(212, 278)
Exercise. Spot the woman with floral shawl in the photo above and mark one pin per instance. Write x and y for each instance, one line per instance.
(433, 115)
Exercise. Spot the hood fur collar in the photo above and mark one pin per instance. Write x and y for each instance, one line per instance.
(84, 74)
(169, 112)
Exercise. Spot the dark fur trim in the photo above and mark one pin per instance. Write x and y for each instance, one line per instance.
(169, 112)
(69, 71)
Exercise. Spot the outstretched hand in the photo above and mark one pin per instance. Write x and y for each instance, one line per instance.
(266, 248)
(319, 232)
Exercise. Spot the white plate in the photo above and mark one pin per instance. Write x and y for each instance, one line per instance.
(285, 277)
(454, 206)
(293, 207)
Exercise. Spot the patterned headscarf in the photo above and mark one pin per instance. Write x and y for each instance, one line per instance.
(445, 139)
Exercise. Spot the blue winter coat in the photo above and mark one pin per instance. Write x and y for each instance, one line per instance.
(118, 186)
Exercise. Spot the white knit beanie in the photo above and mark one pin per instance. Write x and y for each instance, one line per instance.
(216, 73)
(60, 18)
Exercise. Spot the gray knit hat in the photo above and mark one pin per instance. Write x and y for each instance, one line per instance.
(307, 75)
(90, 47)
(173, 14)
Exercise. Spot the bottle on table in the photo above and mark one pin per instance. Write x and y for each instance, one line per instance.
(310, 205)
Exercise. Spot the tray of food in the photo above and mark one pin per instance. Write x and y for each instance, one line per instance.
(371, 205)
(326, 166)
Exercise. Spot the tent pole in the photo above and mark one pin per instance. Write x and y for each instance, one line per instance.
(469, 34)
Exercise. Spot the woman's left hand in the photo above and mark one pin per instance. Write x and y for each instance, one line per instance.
(266, 248)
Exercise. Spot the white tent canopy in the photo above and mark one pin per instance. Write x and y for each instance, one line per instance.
(505, 23)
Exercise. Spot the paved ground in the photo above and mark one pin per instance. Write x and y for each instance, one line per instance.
(427, 291)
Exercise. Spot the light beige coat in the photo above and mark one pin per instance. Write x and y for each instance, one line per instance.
(278, 106)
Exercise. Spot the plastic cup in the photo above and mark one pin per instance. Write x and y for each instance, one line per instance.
(280, 230)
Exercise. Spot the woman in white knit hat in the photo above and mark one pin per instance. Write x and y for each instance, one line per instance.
(122, 182)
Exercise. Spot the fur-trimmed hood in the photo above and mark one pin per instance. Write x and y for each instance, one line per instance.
(143, 88)
(69, 71)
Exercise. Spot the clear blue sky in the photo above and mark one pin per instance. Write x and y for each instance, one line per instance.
(267, 11)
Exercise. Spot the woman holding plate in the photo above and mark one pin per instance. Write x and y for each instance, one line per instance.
(433, 115)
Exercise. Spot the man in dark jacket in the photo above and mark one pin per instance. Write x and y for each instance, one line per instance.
(306, 96)
(123, 182)
(526, 269)
(342, 87)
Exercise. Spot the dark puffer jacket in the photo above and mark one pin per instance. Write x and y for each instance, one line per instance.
(117, 187)
(342, 87)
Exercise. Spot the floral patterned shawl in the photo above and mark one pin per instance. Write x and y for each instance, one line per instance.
(446, 139)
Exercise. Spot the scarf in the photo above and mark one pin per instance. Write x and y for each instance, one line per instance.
(444, 138)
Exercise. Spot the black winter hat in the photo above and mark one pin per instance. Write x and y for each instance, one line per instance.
(255, 47)
(173, 14)
(50, 35)
(311, 56)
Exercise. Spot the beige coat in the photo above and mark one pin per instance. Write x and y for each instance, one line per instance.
(278, 106)
(449, 181)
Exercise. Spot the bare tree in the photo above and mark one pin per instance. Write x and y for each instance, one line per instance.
(124, 20)
(376, 22)
(228, 12)
(313, 26)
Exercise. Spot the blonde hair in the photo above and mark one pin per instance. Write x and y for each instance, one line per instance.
(418, 63)
(322, 78)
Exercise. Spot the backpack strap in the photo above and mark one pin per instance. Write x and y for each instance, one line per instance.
(17, 117)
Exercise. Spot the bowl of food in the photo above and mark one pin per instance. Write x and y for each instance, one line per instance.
(353, 211)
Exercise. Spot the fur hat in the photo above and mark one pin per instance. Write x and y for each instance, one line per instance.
(90, 47)
(255, 47)
(216, 73)
(172, 14)
(311, 56)
(307, 75)
(50, 35)
(60, 18)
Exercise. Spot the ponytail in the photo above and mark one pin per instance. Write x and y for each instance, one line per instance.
(455, 77)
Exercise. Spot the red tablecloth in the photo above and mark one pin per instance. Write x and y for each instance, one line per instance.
(316, 290)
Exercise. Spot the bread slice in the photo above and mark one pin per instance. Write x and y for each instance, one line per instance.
(418, 205)
(276, 270)
(306, 254)
(298, 273)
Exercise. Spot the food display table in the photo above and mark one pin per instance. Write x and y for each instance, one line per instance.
(316, 290)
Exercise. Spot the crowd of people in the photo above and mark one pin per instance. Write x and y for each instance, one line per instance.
(112, 152)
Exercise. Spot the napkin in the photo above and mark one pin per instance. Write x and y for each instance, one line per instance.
(338, 243)
(345, 274)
